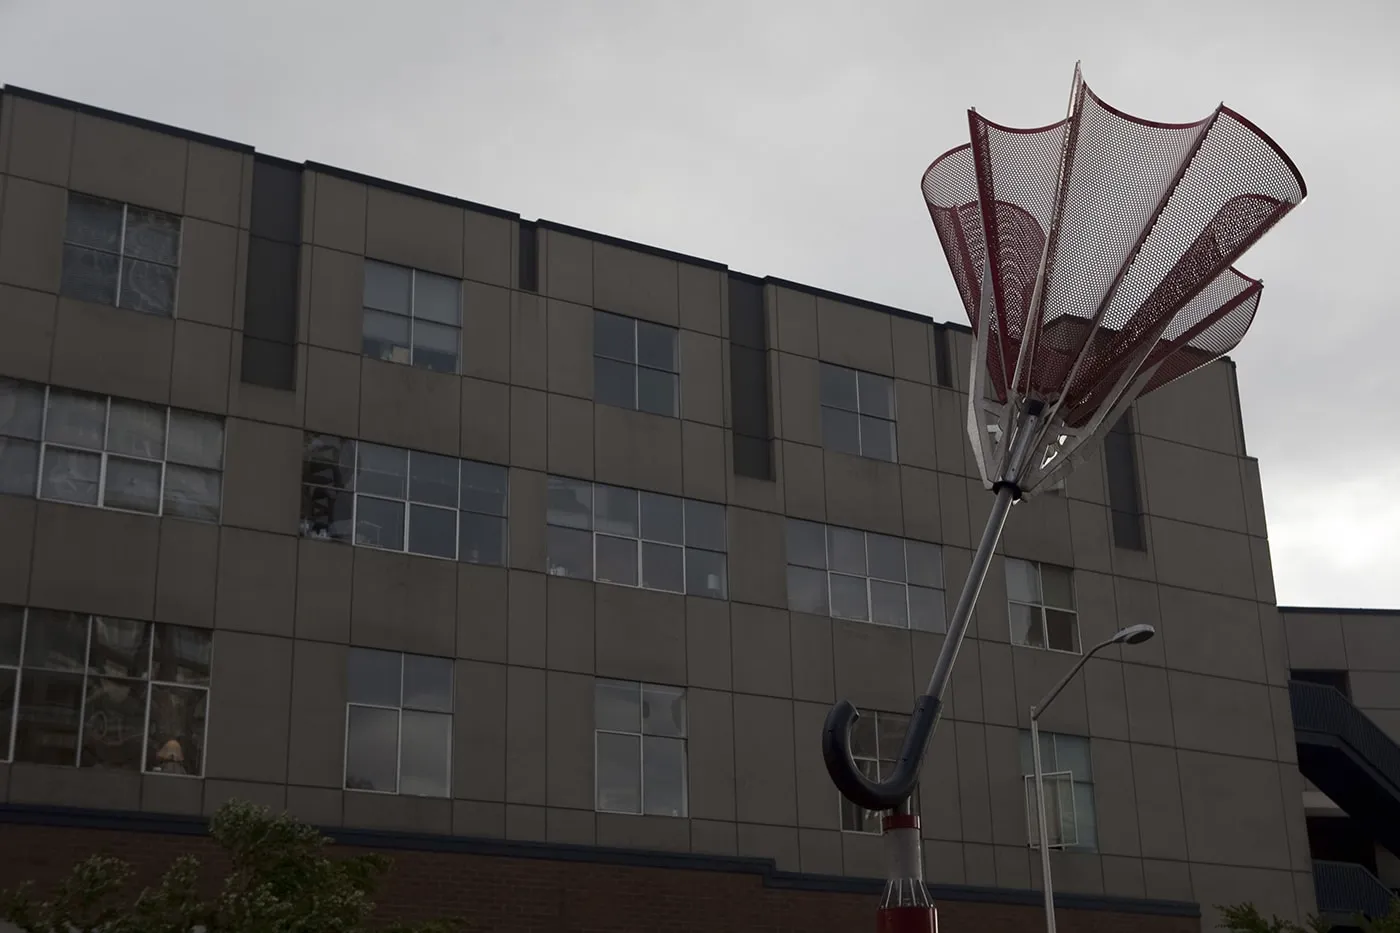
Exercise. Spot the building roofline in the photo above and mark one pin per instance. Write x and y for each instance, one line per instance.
(37, 97)
(373, 181)
(1337, 611)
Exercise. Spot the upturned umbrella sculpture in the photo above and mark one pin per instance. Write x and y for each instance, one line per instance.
(1094, 258)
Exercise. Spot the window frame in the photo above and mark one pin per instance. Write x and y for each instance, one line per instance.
(148, 680)
(121, 253)
(1044, 608)
(641, 539)
(407, 502)
(450, 715)
(641, 736)
(871, 578)
(636, 365)
(105, 455)
(1051, 770)
(412, 315)
(860, 413)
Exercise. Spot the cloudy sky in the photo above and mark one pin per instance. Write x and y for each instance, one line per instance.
(787, 138)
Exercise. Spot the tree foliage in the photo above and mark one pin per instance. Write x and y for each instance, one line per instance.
(1245, 918)
(281, 880)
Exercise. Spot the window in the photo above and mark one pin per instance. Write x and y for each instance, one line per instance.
(1041, 605)
(98, 692)
(864, 576)
(858, 413)
(639, 748)
(632, 538)
(403, 500)
(1070, 819)
(398, 723)
(118, 254)
(412, 317)
(109, 452)
(876, 739)
(636, 365)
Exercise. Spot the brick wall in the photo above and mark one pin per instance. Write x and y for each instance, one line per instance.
(515, 895)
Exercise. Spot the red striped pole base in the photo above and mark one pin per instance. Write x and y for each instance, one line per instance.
(907, 920)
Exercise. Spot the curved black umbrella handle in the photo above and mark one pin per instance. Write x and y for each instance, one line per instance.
(896, 788)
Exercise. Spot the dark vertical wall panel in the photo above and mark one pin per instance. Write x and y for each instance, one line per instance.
(274, 250)
(748, 379)
(942, 356)
(529, 257)
(1123, 495)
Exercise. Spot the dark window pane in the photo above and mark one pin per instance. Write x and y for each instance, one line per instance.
(76, 419)
(437, 298)
(705, 574)
(704, 526)
(55, 640)
(181, 655)
(328, 460)
(570, 552)
(845, 550)
(886, 557)
(1026, 628)
(1022, 581)
(372, 749)
(482, 539)
(619, 772)
(326, 512)
(114, 724)
(1061, 630)
(663, 567)
(21, 409)
(19, 467)
(50, 705)
(925, 562)
(432, 531)
(658, 392)
(148, 287)
(615, 510)
(153, 236)
(838, 387)
(865, 738)
(432, 479)
(374, 677)
(663, 518)
(198, 440)
(1058, 586)
(1128, 531)
(614, 337)
(841, 431)
(877, 438)
(806, 543)
(386, 337)
(617, 705)
(614, 383)
(617, 560)
(11, 633)
(663, 782)
(136, 429)
(848, 598)
(379, 523)
(192, 493)
(657, 347)
(807, 591)
(133, 485)
(435, 346)
(926, 611)
(89, 275)
(889, 734)
(425, 756)
(663, 710)
(387, 287)
(889, 604)
(120, 647)
(876, 395)
(8, 680)
(175, 743)
(94, 222)
(427, 683)
(71, 475)
(484, 487)
(382, 471)
(569, 503)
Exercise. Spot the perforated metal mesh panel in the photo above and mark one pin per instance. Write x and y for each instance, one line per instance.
(1137, 224)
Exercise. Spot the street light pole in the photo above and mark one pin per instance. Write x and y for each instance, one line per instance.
(1132, 635)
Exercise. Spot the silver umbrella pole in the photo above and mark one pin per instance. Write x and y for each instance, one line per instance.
(894, 790)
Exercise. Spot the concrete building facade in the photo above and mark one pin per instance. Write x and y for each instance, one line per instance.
(501, 543)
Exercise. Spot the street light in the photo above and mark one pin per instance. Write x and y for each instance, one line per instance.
(1132, 635)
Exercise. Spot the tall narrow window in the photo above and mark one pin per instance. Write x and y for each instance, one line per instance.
(412, 317)
(639, 745)
(398, 723)
(636, 364)
(876, 739)
(120, 254)
(1124, 499)
(1071, 821)
(858, 414)
(1040, 601)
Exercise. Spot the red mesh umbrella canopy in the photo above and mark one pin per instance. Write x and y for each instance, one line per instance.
(1108, 232)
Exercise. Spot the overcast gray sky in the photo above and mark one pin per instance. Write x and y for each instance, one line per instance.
(788, 138)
